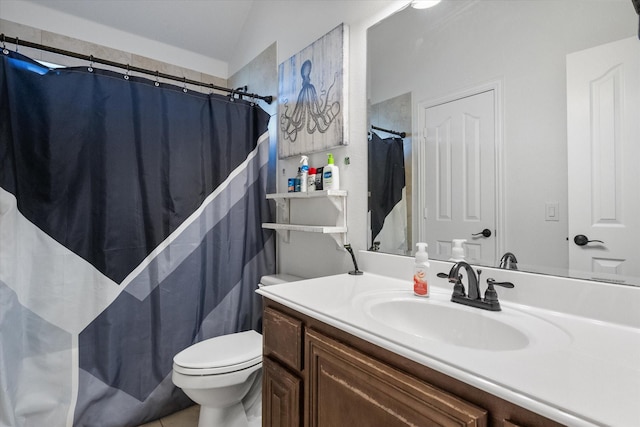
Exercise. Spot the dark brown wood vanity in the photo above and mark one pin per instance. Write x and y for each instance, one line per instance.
(318, 375)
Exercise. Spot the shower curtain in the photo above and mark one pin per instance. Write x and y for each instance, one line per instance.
(130, 228)
(387, 202)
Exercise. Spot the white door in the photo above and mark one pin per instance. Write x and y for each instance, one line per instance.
(603, 113)
(458, 177)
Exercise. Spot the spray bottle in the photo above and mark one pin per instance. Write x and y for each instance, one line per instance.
(421, 271)
(304, 170)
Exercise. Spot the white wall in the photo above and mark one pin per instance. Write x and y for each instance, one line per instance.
(294, 26)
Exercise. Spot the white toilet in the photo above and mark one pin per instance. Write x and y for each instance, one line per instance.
(223, 374)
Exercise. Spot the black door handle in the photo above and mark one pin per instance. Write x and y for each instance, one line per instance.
(484, 233)
(582, 240)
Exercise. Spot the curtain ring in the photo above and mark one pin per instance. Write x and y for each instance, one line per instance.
(231, 98)
(126, 76)
(184, 84)
(211, 89)
(17, 43)
(4, 46)
(157, 82)
(90, 69)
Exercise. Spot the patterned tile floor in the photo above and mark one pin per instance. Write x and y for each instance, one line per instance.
(185, 418)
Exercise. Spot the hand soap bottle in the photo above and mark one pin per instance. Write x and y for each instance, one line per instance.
(330, 175)
(457, 251)
(421, 271)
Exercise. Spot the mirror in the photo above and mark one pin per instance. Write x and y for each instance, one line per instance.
(526, 56)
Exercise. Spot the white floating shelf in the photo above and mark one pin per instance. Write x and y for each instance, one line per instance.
(308, 195)
(338, 199)
(324, 229)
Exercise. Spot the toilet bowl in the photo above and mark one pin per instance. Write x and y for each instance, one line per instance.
(224, 376)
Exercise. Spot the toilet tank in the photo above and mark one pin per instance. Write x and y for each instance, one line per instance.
(275, 279)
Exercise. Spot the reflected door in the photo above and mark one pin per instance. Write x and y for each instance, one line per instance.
(603, 113)
(457, 180)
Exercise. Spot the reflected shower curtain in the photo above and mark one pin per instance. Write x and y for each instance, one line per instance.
(130, 228)
(386, 186)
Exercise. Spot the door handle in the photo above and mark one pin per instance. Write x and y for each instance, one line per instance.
(484, 233)
(582, 240)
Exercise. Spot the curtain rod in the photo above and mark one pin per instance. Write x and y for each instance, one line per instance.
(241, 92)
(393, 132)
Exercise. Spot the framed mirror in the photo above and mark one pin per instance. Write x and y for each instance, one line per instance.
(519, 134)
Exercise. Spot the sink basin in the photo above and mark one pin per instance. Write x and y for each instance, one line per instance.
(446, 322)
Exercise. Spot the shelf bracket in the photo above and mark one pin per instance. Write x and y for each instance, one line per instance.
(340, 239)
(285, 235)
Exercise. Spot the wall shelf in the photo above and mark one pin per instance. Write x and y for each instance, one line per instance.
(337, 198)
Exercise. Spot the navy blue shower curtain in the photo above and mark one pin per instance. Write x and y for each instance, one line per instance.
(130, 228)
(386, 178)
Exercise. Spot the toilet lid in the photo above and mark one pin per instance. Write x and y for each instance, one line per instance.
(233, 351)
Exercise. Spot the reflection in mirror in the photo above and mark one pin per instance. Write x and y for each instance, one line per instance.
(390, 175)
(518, 118)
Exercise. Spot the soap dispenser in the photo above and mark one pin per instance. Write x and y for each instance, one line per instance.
(457, 251)
(330, 175)
(421, 271)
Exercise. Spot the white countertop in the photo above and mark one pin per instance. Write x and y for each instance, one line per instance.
(575, 370)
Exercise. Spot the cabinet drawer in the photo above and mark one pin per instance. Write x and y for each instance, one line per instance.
(282, 338)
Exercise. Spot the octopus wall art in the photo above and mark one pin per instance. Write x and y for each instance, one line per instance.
(311, 97)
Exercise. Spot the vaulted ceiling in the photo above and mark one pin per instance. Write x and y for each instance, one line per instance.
(208, 27)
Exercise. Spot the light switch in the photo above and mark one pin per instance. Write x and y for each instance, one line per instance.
(552, 211)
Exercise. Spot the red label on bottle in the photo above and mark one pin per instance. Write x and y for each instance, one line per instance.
(420, 286)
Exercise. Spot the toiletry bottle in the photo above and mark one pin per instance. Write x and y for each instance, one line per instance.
(311, 186)
(319, 178)
(304, 173)
(297, 182)
(331, 175)
(421, 271)
(457, 251)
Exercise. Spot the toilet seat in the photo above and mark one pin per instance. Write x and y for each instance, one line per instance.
(220, 355)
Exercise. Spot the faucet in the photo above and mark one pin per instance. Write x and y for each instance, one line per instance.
(509, 261)
(472, 279)
(355, 271)
(473, 299)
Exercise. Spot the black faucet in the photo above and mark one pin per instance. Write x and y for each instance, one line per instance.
(473, 299)
(472, 279)
(355, 271)
(509, 261)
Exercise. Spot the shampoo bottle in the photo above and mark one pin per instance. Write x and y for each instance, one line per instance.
(421, 271)
(331, 175)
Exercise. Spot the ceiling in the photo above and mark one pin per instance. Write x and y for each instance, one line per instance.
(207, 27)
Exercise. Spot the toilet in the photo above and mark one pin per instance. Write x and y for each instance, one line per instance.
(224, 374)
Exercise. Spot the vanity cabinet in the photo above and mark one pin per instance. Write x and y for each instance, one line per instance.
(317, 376)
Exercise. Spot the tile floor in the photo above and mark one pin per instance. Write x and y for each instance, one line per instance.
(185, 418)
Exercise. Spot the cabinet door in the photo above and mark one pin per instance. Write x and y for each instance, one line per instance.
(282, 336)
(280, 396)
(347, 388)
